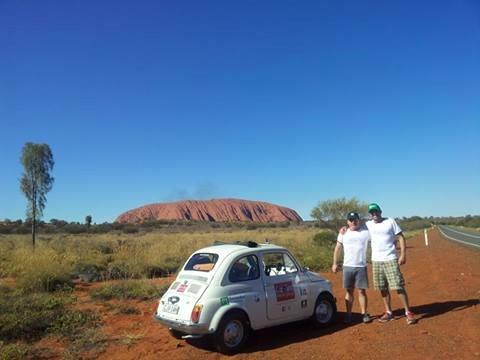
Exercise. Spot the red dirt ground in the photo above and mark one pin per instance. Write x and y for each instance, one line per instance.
(443, 282)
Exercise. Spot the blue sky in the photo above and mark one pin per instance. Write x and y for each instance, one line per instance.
(282, 101)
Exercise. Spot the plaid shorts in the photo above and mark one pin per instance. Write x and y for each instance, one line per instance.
(387, 275)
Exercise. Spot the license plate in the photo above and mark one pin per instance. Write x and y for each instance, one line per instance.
(171, 308)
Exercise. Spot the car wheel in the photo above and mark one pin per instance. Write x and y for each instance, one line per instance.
(232, 333)
(176, 334)
(325, 310)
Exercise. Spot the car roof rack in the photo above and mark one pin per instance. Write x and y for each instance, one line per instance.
(248, 243)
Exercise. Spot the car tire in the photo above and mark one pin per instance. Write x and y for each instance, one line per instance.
(325, 311)
(176, 334)
(232, 333)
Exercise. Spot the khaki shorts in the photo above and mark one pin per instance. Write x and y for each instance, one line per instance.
(387, 275)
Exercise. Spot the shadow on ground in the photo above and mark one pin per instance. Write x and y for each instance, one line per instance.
(284, 335)
(430, 310)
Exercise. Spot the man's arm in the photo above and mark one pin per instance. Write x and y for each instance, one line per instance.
(403, 249)
(335, 256)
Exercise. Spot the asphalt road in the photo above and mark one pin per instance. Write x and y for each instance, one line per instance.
(465, 237)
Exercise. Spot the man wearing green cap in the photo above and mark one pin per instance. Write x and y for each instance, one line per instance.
(386, 264)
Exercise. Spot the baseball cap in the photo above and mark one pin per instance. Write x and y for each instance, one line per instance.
(353, 216)
(374, 207)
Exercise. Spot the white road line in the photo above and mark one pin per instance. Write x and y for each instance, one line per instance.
(462, 233)
(460, 241)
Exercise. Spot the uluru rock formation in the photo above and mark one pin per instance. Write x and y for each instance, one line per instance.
(211, 210)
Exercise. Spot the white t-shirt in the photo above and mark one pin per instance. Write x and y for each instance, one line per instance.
(383, 239)
(355, 246)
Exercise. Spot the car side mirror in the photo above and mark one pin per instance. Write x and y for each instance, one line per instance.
(305, 269)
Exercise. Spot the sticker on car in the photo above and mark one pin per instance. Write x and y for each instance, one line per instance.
(224, 301)
(284, 291)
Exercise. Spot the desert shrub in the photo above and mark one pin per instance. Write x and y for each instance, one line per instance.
(415, 223)
(315, 258)
(29, 317)
(284, 224)
(74, 228)
(251, 226)
(130, 229)
(325, 238)
(125, 309)
(101, 228)
(130, 289)
(116, 272)
(89, 272)
(42, 270)
(69, 322)
(90, 340)
(153, 271)
(13, 351)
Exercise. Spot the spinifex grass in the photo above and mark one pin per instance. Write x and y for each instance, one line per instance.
(58, 257)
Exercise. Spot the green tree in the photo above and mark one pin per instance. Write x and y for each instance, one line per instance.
(36, 181)
(88, 220)
(333, 212)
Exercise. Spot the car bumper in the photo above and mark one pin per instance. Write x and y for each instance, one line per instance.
(185, 327)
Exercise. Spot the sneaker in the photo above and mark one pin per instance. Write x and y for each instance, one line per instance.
(366, 318)
(410, 318)
(386, 317)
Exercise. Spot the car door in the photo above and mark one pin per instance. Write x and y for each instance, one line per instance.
(245, 288)
(283, 292)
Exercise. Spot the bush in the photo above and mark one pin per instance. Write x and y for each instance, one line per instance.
(130, 229)
(69, 322)
(130, 289)
(325, 238)
(89, 272)
(74, 228)
(29, 317)
(43, 270)
(13, 351)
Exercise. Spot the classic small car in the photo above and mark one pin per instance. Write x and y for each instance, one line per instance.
(228, 290)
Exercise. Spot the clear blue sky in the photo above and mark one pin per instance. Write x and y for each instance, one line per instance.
(282, 101)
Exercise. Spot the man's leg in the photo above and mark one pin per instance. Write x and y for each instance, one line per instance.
(348, 285)
(402, 294)
(386, 300)
(348, 304)
(362, 299)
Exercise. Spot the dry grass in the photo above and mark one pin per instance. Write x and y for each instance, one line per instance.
(59, 257)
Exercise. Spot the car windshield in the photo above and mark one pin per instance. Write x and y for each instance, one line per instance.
(201, 262)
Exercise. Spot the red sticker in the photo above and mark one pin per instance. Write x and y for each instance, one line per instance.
(284, 291)
(182, 288)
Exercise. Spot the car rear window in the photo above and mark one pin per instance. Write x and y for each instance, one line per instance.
(202, 262)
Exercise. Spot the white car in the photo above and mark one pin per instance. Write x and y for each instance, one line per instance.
(228, 290)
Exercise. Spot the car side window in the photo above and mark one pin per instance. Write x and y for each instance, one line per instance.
(244, 269)
(276, 264)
